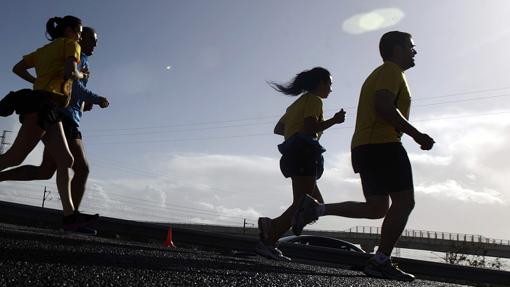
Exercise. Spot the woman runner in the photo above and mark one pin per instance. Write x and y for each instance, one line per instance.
(302, 161)
(55, 67)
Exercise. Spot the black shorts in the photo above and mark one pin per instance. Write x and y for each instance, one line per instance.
(71, 131)
(383, 168)
(41, 102)
(301, 157)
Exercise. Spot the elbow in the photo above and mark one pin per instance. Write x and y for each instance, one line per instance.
(18, 68)
(69, 74)
(279, 129)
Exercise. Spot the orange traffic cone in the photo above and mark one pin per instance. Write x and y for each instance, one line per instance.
(168, 241)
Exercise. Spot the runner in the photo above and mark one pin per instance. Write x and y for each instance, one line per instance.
(302, 161)
(70, 117)
(55, 66)
(379, 157)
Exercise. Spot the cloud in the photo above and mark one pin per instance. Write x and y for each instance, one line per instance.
(470, 159)
(373, 20)
(430, 160)
(453, 189)
(465, 172)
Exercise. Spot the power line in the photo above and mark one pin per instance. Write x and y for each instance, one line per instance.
(3, 142)
(119, 166)
(463, 100)
(181, 131)
(169, 210)
(277, 116)
(141, 202)
(265, 134)
(266, 123)
(183, 140)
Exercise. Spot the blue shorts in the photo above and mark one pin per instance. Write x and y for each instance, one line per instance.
(301, 156)
(71, 130)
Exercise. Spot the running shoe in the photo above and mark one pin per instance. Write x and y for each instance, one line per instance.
(386, 270)
(86, 231)
(306, 213)
(270, 252)
(77, 220)
(264, 224)
(86, 217)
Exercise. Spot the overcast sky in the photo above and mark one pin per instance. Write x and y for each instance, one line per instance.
(188, 134)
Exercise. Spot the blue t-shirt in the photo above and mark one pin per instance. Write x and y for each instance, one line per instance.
(79, 95)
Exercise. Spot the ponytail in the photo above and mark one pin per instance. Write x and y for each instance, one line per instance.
(56, 26)
(305, 81)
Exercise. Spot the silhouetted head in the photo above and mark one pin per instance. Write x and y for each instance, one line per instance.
(398, 47)
(58, 27)
(88, 41)
(316, 80)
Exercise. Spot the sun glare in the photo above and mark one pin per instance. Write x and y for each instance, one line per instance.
(373, 20)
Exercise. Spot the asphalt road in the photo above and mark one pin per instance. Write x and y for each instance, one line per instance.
(44, 257)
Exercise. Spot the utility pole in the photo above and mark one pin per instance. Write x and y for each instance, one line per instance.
(3, 142)
(44, 196)
(244, 225)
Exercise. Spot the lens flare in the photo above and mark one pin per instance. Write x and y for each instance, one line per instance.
(373, 20)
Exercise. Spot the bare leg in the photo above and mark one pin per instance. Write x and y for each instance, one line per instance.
(316, 194)
(57, 146)
(81, 171)
(301, 185)
(375, 207)
(402, 203)
(31, 172)
(28, 136)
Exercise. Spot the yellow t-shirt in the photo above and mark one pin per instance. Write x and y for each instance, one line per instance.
(371, 128)
(49, 62)
(308, 105)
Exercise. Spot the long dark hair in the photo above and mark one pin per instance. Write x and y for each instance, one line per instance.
(56, 26)
(305, 81)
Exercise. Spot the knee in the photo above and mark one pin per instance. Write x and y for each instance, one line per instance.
(66, 161)
(81, 170)
(409, 205)
(46, 173)
(16, 160)
(378, 212)
(12, 159)
(406, 206)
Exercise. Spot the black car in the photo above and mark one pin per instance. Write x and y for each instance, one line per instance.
(321, 241)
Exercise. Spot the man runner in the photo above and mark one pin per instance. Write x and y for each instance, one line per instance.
(379, 157)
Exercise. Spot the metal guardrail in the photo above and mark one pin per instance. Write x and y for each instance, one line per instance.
(433, 235)
(144, 231)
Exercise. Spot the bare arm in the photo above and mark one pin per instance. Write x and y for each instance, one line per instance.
(385, 108)
(313, 126)
(71, 69)
(21, 69)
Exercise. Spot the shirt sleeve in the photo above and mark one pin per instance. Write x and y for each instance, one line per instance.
(72, 49)
(389, 79)
(85, 94)
(313, 108)
(30, 59)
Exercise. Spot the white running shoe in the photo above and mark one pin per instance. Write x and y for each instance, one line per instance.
(387, 270)
(270, 252)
